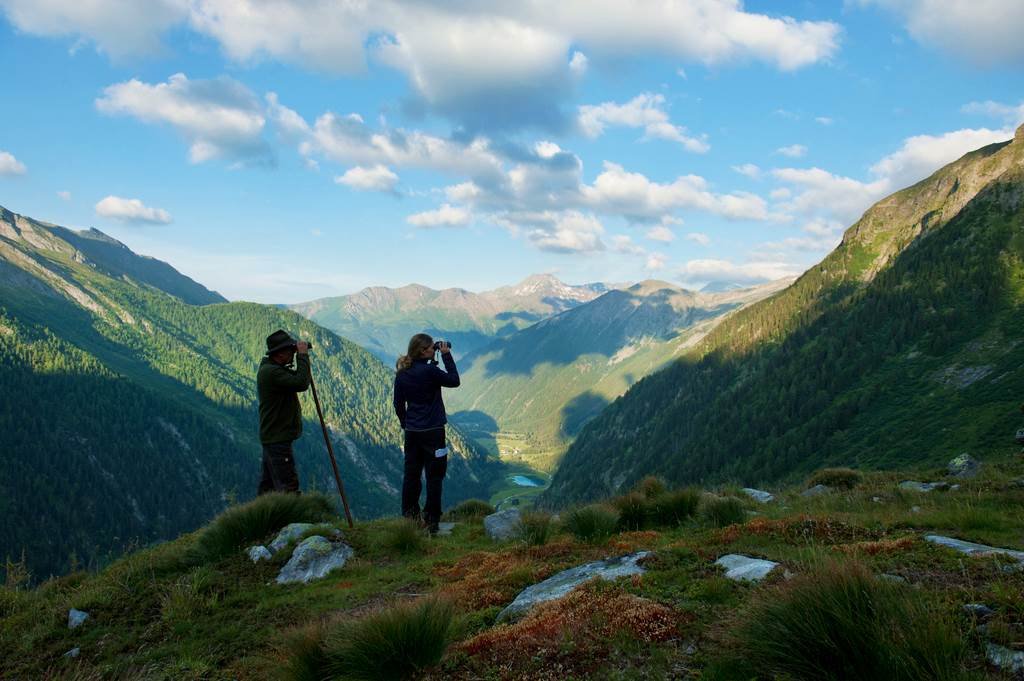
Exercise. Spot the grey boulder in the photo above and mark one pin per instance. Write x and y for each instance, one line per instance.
(979, 610)
(258, 553)
(312, 559)
(1005, 659)
(963, 466)
(562, 583)
(502, 525)
(915, 486)
(758, 495)
(445, 529)
(293, 531)
(744, 568)
(74, 652)
(816, 491)
(972, 549)
(76, 618)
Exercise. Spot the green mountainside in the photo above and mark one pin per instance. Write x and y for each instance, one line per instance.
(128, 414)
(383, 319)
(902, 346)
(527, 395)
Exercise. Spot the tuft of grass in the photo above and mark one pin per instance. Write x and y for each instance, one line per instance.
(651, 486)
(470, 509)
(837, 478)
(402, 536)
(634, 510)
(535, 527)
(254, 521)
(722, 511)
(839, 621)
(592, 523)
(675, 507)
(190, 595)
(395, 643)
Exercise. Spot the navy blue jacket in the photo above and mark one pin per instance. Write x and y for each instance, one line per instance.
(418, 400)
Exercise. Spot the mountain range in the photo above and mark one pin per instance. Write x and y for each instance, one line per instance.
(903, 346)
(383, 319)
(127, 402)
(526, 395)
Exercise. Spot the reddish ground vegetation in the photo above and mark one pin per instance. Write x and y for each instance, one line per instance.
(798, 530)
(873, 548)
(628, 542)
(571, 635)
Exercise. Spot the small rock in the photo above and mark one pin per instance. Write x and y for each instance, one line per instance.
(896, 579)
(76, 618)
(312, 559)
(953, 488)
(502, 525)
(972, 549)
(1017, 483)
(963, 466)
(293, 531)
(445, 529)
(915, 509)
(915, 486)
(258, 553)
(758, 495)
(745, 568)
(816, 491)
(1005, 659)
(979, 610)
(1020, 436)
(74, 652)
(567, 580)
(877, 500)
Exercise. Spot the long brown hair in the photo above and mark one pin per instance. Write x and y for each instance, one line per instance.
(417, 344)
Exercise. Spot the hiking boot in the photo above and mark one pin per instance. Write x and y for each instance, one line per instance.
(432, 529)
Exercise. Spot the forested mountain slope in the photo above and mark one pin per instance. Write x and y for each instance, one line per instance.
(903, 346)
(530, 393)
(128, 415)
(383, 319)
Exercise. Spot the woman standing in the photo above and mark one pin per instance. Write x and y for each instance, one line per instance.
(420, 410)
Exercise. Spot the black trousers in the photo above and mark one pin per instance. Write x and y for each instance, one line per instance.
(279, 473)
(421, 457)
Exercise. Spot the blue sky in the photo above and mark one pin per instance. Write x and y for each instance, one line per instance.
(288, 150)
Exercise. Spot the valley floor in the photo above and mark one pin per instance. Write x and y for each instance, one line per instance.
(156, 615)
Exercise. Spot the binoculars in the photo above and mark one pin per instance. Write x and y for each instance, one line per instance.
(437, 345)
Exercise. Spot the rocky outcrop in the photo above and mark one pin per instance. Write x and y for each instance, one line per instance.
(964, 466)
(758, 495)
(816, 491)
(313, 559)
(744, 568)
(258, 553)
(76, 618)
(293, 531)
(972, 549)
(915, 486)
(502, 525)
(567, 580)
(1005, 659)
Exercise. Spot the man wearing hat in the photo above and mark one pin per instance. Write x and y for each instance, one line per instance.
(278, 386)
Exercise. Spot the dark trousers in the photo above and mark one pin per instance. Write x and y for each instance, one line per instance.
(279, 473)
(420, 458)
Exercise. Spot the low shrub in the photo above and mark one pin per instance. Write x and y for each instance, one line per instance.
(395, 643)
(723, 511)
(535, 527)
(675, 507)
(838, 478)
(651, 486)
(252, 522)
(592, 523)
(402, 536)
(470, 509)
(840, 621)
(634, 510)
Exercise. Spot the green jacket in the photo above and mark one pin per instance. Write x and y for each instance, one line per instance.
(278, 388)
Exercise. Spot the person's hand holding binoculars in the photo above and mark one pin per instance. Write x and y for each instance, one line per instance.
(302, 347)
(444, 347)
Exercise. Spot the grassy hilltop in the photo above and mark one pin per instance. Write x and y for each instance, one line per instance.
(858, 590)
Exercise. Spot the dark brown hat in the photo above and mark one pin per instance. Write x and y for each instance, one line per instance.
(279, 340)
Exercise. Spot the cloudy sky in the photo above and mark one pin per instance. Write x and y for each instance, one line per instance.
(283, 150)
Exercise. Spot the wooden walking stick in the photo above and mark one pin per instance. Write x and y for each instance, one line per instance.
(330, 451)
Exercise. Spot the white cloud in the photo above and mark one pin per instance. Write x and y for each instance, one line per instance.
(823, 192)
(566, 232)
(656, 261)
(922, 155)
(699, 238)
(1011, 114)
(445, 216)
(64, 195)
(793, 150)
(636, 197)
(10, 165)
(623, 243)
(985, 32)
(749, 170)
(131, 210)
(824, 120)
(643, 111)
(220, 118)
(578, 64)
(706, 270)
(780, 194)
(660, 233)
(374, 178)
